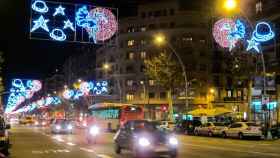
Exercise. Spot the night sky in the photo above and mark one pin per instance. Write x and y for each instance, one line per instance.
(25, 58)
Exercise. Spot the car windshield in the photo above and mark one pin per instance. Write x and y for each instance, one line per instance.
(251, 124)
(144, 125)
(62, 122)
(219, 124)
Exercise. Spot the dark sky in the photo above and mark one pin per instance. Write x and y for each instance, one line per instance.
(25, 58)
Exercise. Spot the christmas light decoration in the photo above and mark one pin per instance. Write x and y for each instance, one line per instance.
(58, 35)
(68, 24)
(59, 11)
(40, 6)
(41, 22)
(262, 33)
(67, 94)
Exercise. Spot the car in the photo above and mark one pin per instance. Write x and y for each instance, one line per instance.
(145, 138)
(187, 126)
(210, 129)
(28, 120)
(243, 129)
(168, 125)
(275, 131)
(4, 137)
(41, 123)
(61, 126)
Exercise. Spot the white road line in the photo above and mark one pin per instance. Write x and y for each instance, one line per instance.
(87, 150)
(103, 156)
(234, 150)
(71, 144)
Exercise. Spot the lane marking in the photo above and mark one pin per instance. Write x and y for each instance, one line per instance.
(71, 144)
(87, 150)
(235, 150)
(103, 156)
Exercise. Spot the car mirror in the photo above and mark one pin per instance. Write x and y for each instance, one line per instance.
(8, 126)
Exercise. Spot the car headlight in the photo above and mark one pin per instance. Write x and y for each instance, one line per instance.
(173, 141)
(94, 130)
(43, 123)
(57, 127)
(36, 123)
(143, 142)
(69, 127)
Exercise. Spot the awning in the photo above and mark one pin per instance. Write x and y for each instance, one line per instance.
(209, 112)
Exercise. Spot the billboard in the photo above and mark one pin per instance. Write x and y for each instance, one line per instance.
(58, 21)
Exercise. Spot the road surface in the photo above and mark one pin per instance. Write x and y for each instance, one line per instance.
(31, 142)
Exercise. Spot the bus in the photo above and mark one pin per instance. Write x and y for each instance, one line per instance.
(111, 116)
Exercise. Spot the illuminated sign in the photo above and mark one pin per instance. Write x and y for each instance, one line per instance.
(59, 21)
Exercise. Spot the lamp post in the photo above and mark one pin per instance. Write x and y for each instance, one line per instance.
(231, 5)
(160, 39)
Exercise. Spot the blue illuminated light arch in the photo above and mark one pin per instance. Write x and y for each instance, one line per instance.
(59, 11)
(58, 35)
(41, 22)
(40, 6)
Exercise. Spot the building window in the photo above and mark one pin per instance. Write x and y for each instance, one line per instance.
(172, 25)
(202, 67)
(143, 29)
(129, 69)
(151, 82)
(142, 68)
(143, 15)
(152, 95)
(202, 41)
(131, 55)
(171, 12)
(164, 12)
(143, 42)
(129, 97)
(130, 42)
(259, 7)
(229, 93)
(187, 39)
(239, 93)
(143, 55)
(162, 95)
(130, 29)
(129, 82)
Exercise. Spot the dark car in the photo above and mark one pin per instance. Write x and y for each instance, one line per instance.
(62, 126)
(4, 137)
(275, 131)
(144, 138)
(187, 126)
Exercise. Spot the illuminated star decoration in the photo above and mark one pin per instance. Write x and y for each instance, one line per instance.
(262, 33)
(252, 44)
(40, 6)
(59, 10)
(40, 23)
(68, 24)
(58, 35)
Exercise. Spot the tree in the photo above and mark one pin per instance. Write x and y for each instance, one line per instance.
(167, 73)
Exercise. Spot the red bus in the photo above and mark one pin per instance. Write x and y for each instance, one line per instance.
(110, 116)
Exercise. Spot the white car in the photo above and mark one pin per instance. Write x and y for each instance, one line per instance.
(168, 125)
(210, 129)
(243, 129)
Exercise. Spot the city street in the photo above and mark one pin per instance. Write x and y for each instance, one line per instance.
(37, 142)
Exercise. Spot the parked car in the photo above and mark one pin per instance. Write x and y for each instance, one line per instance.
(187, 126)
(210, 129)
(61, 126)
(168, 125)
(243, 129)
(275, 131)
(144, 138)
(4, 137)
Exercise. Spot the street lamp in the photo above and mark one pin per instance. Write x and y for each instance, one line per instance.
(79, 80)
(160, 39)
(106, 66)
(230, 5)
(212, 90)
